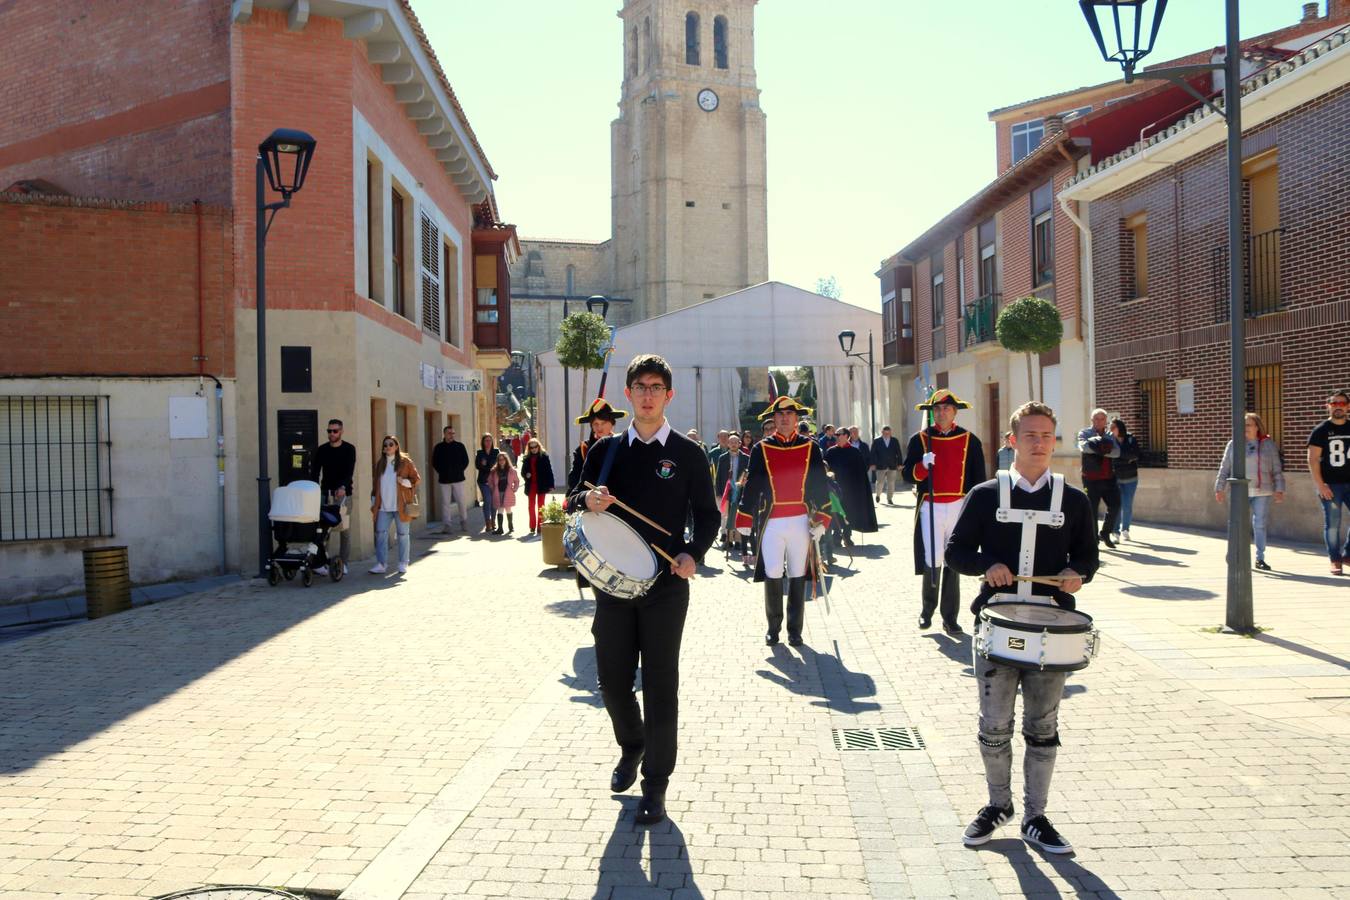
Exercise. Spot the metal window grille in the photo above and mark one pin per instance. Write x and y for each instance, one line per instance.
(55, 467)
(1260, 275)
(431, 276)
(1265, 397)
(1153, 402)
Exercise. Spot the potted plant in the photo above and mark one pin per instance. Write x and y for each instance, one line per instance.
(551, 530)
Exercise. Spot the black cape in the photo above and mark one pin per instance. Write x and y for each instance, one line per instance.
(850, 471)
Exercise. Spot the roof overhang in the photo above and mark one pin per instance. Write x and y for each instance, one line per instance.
(397, 46)
(1271, 93)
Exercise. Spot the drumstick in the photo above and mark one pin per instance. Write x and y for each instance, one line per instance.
(628, 509)
(1042, 579)
(663, 554)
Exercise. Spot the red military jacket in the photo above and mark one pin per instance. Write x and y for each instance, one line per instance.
(786, 477)
(959, 465)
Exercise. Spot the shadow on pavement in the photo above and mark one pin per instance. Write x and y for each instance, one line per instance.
(620, 872)
(572, 609)
(868, 551)
(553, 573)
(821, 675)
(957, 649)
(1267, 638)
(1164, 548)
(1318, 580)
(583, 679)
(1142, 559)
(1167, 592)
(1032, 880)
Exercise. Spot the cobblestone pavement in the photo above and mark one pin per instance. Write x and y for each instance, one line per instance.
(440, 735)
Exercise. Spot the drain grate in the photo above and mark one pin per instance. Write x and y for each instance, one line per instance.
(877, 739)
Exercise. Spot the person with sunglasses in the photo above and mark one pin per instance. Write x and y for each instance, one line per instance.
(1329, 465)
(333, 466)
(395, 491)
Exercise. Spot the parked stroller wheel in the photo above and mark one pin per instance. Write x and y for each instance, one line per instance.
(273, 575)
(307, 578)
(335, 570)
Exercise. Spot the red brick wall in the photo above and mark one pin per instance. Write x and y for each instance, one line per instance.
(1014, 227)
(1181, 330)
(111, 288)
(119, 100)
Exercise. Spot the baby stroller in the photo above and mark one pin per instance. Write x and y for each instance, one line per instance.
(300, 527)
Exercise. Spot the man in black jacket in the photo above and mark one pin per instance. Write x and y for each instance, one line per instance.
(333, 466)
(664, 476)
(887, 457)
(450, 459)
(730, 470)
(1028, 538)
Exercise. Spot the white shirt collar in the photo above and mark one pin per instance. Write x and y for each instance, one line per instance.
(660, 436)
(1020, 482)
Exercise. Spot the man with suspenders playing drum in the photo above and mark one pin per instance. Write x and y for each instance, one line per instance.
(1034, 540)
(652, 478)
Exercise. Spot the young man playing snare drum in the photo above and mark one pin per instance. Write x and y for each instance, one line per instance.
(983, 542)
(664, 476)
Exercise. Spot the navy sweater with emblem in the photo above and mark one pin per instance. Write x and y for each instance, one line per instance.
(979, 540)
(664, 483)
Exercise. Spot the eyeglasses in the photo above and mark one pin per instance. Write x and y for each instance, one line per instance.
(648, 390)
(335, 431)
(1337, 403)
(390, 444)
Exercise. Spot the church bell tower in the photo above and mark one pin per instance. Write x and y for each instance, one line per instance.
(688, 155)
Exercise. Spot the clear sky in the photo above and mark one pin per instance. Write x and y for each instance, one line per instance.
(877, 109)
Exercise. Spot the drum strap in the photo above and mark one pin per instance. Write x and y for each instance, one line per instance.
(609, 459)
(1030, 519)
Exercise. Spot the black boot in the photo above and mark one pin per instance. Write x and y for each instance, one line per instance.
(929, 593)
(625, 773)
(951, 600)
(652, 807)
(499, 524)
(510, 523)
(773, 608)
(796, 610)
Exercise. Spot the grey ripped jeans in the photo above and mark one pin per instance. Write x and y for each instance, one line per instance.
(1041, 692)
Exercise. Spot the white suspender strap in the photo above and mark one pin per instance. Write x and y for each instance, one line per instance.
(1030, 519)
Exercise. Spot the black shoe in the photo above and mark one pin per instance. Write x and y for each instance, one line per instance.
(952, 628)
(1106, 539)
(794, 640)
(925, 621)
(626, 772)
(1040, 832)
(990, 819)
(651, 808)
(1262, 565)
(770, 639)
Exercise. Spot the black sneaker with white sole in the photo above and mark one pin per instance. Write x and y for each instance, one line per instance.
(1040, 832)
(990, 819)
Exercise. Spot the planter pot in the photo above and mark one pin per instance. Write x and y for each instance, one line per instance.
(553, 545)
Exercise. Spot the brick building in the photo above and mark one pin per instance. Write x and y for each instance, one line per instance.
(941, 293)
(388, 277)
(1158, 218)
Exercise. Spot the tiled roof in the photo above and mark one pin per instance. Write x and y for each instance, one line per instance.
(1266, 76)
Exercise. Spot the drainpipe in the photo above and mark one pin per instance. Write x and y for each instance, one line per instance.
(200, 359)
(1085, 299)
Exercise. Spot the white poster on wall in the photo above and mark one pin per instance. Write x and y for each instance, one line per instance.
(187, 418)
(1186, 396)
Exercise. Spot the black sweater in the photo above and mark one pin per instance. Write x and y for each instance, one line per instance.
(979, 540)
(333, 467)
(449, 459)
(664, 483)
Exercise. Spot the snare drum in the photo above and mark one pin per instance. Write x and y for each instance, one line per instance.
(611, 555)
(1039, 636)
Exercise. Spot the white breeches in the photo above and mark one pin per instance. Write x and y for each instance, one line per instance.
(786, 539)
(946, 520)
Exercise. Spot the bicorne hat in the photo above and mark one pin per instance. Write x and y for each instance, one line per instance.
(601, 409)
(940, 396)
(784, 404)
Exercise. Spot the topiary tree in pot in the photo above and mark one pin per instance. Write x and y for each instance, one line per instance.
(1030, 325)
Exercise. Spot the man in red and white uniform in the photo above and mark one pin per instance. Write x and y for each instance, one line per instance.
(786, 494)
(945, 461)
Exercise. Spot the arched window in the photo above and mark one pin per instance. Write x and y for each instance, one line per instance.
(720, 42)
(648, 47)
(691, 38)
(571, 280)
(631, 57)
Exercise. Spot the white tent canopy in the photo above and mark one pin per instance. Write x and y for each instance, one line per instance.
(769, 324)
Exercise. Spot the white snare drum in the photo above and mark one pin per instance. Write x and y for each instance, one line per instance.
(611, 555)
(1039, 636)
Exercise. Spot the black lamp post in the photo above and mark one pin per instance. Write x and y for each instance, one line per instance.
(284, 159)
(1129, 21)
(846, 339)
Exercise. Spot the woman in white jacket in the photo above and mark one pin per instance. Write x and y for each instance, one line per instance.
(1265, 480)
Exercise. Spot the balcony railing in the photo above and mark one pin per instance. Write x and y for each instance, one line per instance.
(977, 325)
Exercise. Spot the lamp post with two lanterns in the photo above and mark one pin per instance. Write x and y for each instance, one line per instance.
(1134, 28)
(283, 161)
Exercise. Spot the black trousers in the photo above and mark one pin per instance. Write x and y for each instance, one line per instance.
(647, 630)
(1105, 490)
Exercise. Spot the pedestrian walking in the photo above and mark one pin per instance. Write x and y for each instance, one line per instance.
(536, 474)
(1005, 453)
(505, 482)
(450, 459)
(662, 475)
(1099, 451)
(395, 492)
(483, 463)
(887, 457)
(850, 472)
(1127, 476)
(945, 461)
(1265, 479)
(333, 466)
(747, 441)
(1329, 465)
(1029, 522)
(728, 479)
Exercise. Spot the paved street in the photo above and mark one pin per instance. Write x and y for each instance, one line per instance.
(440, 735)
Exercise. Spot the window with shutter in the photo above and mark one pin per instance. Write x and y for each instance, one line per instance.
(431, 277)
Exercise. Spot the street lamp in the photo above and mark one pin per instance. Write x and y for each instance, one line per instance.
(1128, 18)
(846, 339)
(284, 160)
